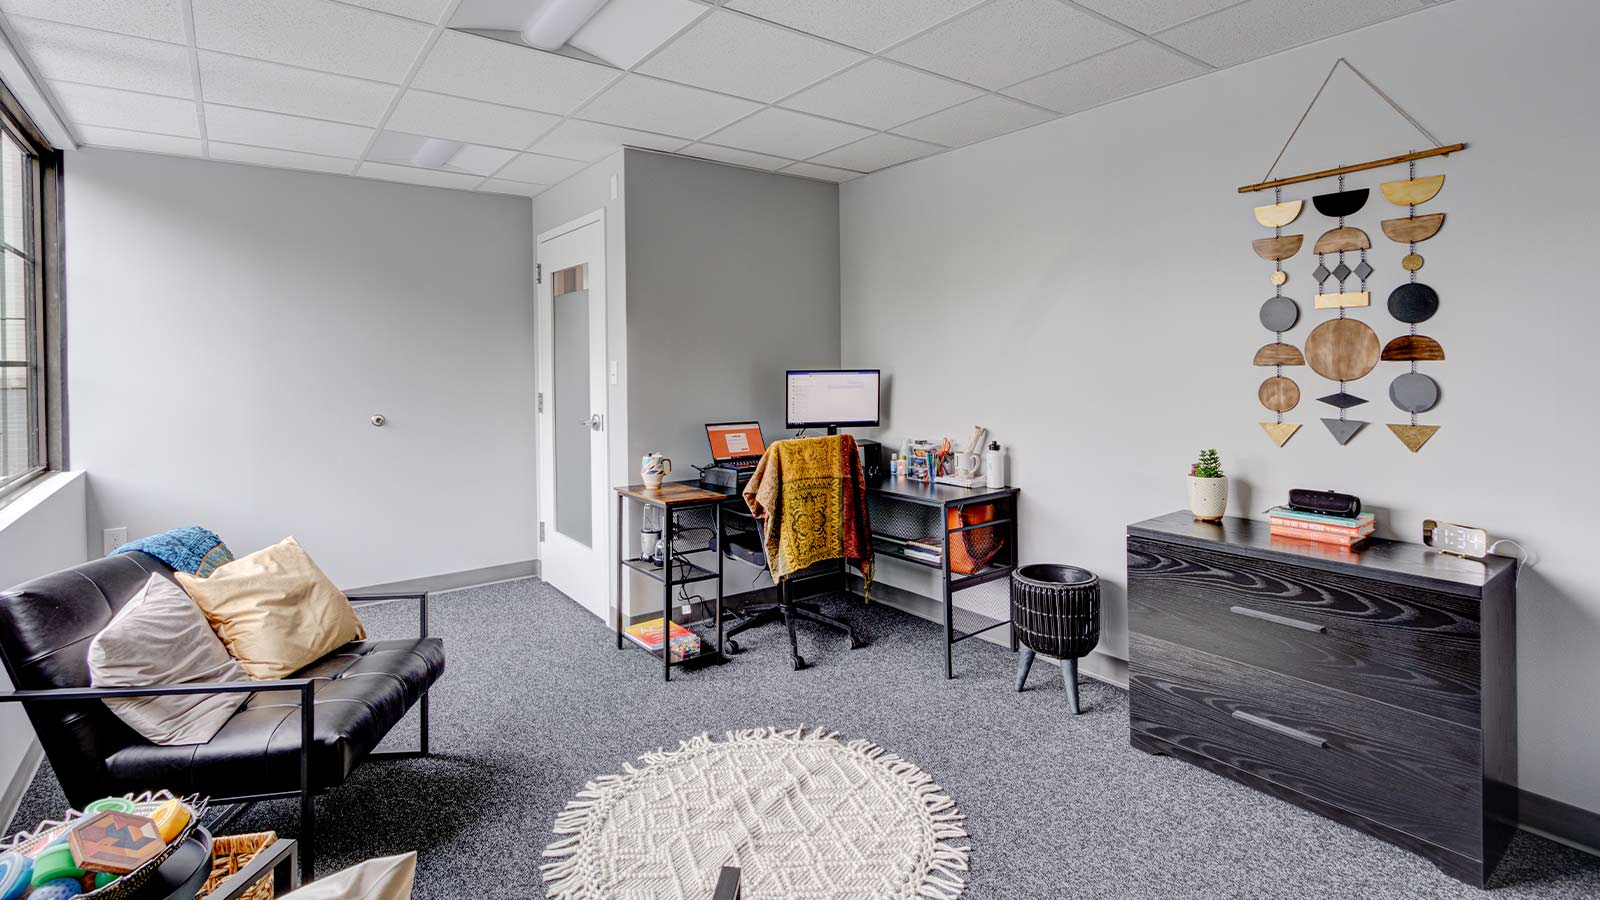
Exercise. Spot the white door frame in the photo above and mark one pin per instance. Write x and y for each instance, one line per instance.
(564, 562)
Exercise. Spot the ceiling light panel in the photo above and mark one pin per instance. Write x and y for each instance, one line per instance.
(868, 24)
(480, 160)
(516, 188)
(881, 95)
(625, 31)
(739, 55)
(411, 175)
(665, 108)
(422, 10)
(160, 20)
(876, 152)
(237, 81)
(316, 34)
(265, 129)
(1259, 27)
(89, 105)
(468, 65)
(1151, 16)
(779, 132)
(1005, 42)
(66, 53)
(1126, 70)
(820, 173)
(589, 141)
(981, 119)
(469, 121)
(537, 169)
(282, 159)
(736, 157)
(95, 136)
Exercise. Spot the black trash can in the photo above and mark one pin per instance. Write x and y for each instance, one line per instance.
(1055, 610)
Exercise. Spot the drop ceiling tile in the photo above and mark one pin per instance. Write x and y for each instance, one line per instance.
(468, 65)
(265, 129)
(89, 105)
(979, 120)
(1126, 70)
(496, 186)
(237, 81)
(316, 34)
(1151, 16)
(735, 157)
(869, 24)
(66, 53)
(160, 20)
(469, 121)
(1005, 42)
(95, 136)
(779, 132)
(481, 160)
(422, 10)
(1259, 27)
(625, 31)
(410, 175)
(739, 55)
(589, 141)
(665, 108)
(282, 159)
(820, 173)
(881, 95)
(534, 168)
(876, 152)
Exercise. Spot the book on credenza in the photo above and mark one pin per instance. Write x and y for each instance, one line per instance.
(1319, 537)
(1282, 515)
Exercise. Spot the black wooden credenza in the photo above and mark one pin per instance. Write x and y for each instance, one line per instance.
(1376, 687)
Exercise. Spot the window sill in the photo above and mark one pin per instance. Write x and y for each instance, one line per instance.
(23, 498)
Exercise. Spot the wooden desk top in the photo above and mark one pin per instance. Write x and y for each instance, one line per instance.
(673, 493)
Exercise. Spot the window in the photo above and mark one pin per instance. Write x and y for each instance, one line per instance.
(30, 399)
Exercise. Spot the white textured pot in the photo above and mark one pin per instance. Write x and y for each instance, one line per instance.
(1208, 497)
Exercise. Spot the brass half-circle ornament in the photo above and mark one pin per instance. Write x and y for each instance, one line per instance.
(1276, 248)
(1412, 192)
(1277, 215)
(1340, 203)
(1279, 394)
(1413, 348)
(1279, 354)
(1412, 229)
(1342, 349)
(1340, 240)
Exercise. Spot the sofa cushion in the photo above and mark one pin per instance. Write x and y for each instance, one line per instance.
(274, 609)
(362, 690)
(160, 637)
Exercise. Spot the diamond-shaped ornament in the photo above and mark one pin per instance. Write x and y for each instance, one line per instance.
(1321, 274)
(1341, 271)
(1363, 271)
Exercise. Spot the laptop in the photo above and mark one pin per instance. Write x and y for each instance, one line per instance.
(736, 445)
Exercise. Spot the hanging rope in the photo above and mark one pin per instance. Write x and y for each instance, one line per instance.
(1341, 61)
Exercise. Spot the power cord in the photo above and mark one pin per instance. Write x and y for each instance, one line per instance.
(1524, 558)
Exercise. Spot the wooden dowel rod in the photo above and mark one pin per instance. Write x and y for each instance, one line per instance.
(1358, 167)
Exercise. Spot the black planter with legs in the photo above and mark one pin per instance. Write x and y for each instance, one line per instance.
(1055, 610)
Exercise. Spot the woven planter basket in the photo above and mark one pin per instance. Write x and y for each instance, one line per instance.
(229, 854)
(1056, 609)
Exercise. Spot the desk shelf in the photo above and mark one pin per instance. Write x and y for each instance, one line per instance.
(682, 572)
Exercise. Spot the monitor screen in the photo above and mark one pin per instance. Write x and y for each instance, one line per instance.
(832, 397)
(730, 440)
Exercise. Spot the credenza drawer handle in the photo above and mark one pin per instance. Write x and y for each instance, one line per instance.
(1284, 730)
(1277, 620)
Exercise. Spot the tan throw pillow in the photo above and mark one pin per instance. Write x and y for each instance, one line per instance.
(385, 878)
(275, 610)
(160, 637)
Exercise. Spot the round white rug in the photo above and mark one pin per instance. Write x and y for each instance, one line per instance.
(804, 815)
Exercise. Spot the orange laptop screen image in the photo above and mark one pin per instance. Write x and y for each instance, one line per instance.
(735, 439)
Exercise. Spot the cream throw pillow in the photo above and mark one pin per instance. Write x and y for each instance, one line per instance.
(160, 637)
(386, 878)
(275, 610)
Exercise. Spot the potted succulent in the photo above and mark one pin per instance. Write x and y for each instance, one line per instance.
(1208, 488)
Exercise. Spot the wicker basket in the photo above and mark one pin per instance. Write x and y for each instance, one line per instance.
(229, 854)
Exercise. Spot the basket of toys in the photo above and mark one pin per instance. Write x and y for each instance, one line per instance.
(106, 852)
(230, 853)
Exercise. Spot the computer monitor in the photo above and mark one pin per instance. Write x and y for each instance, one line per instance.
(830, 398)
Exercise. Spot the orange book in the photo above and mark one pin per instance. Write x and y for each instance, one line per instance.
(1321, 537)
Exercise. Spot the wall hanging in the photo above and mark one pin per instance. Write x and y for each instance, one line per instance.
(1343, 348)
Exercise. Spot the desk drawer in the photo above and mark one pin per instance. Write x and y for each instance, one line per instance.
(1404, 646)
(1411, 773)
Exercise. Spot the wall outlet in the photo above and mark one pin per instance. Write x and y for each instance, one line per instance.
(114, 538)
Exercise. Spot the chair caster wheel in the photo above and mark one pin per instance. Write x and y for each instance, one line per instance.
(733, 646)
(856, 643)
(799, 663)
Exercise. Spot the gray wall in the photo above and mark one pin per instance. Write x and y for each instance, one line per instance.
(234, 327)
(1099, 268)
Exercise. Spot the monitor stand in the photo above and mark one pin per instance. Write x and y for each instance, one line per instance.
(833, 429)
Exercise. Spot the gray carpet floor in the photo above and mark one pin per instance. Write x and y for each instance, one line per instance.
(536, 700)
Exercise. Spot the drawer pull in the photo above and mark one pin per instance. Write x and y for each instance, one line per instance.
(1277, 620)
(1284, 730)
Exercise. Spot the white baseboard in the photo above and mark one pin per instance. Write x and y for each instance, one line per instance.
(11, 797)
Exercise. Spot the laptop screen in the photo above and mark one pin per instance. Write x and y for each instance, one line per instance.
(731, 439)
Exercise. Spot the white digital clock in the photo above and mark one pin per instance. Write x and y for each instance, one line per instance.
(1457, 540)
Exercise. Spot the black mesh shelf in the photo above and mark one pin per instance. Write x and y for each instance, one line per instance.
(682, 572)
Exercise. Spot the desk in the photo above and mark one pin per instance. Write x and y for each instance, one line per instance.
(672, 498)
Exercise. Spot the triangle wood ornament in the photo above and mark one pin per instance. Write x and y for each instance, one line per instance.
(1343, 429)
(1413, 436)
(1280, 432)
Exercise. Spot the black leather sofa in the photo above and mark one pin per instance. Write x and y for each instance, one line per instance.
(296, 737)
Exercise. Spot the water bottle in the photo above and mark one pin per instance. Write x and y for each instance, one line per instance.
(994, 465)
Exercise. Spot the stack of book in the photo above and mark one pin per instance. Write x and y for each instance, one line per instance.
(1307, 526)
(647, 634)
(927, 551)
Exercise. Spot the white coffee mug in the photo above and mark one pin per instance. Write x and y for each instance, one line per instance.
(654, 467)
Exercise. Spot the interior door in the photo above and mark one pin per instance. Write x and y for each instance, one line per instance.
(572, 414)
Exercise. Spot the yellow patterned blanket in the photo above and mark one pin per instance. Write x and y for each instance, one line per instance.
(811, 496)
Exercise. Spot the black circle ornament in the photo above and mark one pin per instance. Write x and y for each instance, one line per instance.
(1414, 392)
(1413, 302)
(1279, 314)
